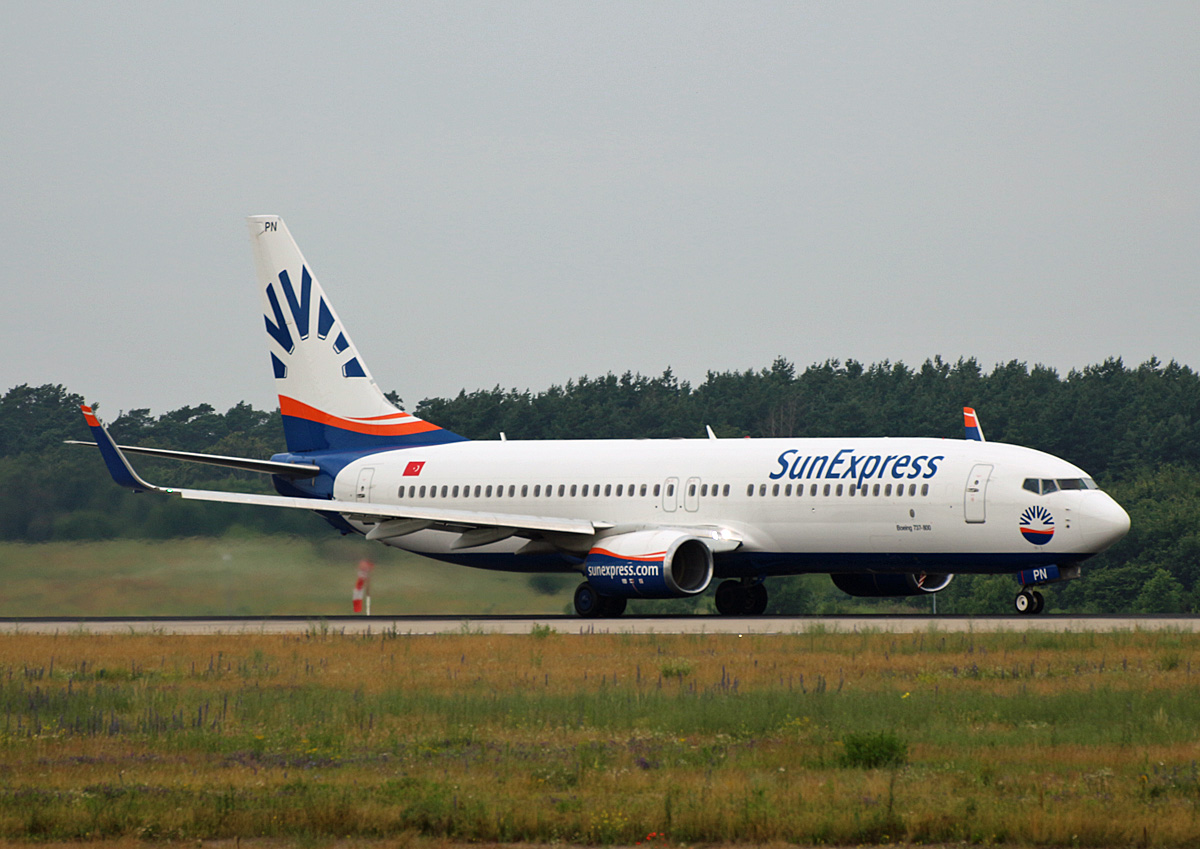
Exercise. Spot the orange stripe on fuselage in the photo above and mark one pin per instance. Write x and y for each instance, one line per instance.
(300, 410)
(659, 556)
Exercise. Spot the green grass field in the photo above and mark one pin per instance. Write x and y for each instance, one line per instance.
(815, 738)
(251, 575)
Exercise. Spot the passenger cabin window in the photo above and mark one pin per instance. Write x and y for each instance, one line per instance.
(644, 490)
(572, 490)
(657, 489)
(620, 487)
(750, 489)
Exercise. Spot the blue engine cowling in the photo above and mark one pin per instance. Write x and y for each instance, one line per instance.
(895, 584)
(649, 564)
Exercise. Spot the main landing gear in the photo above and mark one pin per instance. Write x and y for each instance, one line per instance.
(591, 605)
(741, 598)
(1029, 601)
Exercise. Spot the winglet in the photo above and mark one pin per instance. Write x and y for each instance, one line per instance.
(972, 426)
(118, 465)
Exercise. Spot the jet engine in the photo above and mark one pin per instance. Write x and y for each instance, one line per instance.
(649, 564)
(890, 584)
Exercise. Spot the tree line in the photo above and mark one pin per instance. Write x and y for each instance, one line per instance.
(1135, 429)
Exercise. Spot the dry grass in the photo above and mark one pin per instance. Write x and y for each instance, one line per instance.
(1074, 739)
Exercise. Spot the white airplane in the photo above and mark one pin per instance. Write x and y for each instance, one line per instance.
(638, 518)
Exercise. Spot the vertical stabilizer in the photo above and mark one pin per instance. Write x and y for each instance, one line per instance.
(327, 396)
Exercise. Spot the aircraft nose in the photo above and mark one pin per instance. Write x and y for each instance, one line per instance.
(1107, 523)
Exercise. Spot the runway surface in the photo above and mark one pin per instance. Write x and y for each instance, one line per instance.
(416, 625)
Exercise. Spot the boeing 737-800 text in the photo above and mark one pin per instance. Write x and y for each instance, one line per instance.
(644, 518)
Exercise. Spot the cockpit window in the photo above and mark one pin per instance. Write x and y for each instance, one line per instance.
(1077, 483)
(1048, 485)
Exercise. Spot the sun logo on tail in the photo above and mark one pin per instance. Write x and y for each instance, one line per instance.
(301, 310)
(1037, 525)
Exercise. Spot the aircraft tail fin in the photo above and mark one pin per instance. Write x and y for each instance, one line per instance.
(327, 396)
(971, 425)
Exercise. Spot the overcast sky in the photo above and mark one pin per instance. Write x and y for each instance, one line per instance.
(522, 193)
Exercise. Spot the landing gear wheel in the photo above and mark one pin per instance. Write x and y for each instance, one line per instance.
(588, 603)
(731, 599)
(756, 599)
(1024, 602)
(613, 606)
(1039, 601)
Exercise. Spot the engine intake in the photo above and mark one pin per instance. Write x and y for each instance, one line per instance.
(649, 564)
(879, 585)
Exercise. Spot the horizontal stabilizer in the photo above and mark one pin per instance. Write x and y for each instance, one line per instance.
(246, 464)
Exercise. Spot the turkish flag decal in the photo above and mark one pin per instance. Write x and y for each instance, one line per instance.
(414, 468)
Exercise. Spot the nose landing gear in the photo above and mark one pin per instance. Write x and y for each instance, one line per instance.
(1029, 601)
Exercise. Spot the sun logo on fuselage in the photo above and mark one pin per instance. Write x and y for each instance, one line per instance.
(1037, 525)
(301, 310)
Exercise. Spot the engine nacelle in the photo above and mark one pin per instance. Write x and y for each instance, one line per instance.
(893, 584)
(649, 564)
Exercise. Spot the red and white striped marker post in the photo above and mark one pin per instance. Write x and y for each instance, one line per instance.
(362, 587)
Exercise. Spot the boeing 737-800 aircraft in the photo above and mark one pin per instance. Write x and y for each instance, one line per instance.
(644, 518)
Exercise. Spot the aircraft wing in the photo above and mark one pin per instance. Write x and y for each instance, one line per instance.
(447, 519)
(477, 527)
(390, 520)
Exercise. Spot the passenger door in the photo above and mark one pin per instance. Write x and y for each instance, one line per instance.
(975, 497)
(364, 484)
(671, 495)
